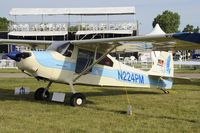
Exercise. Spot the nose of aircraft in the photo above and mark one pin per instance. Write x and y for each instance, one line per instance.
(17, 56)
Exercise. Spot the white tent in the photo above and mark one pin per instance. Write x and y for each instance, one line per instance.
(157, 30)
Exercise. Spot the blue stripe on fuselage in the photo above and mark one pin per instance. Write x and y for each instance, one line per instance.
(46, 59)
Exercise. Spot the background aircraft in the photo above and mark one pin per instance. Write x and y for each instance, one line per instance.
(88, 62)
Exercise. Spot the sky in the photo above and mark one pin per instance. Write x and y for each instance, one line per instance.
(146, 10)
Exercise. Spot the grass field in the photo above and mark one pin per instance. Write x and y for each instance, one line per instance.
(187, 70)
(10, 70)
(105, 110)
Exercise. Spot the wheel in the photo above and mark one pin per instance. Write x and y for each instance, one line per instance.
(39, 94)
(77, 99)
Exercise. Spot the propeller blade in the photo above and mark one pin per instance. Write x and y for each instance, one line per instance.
(14, 55)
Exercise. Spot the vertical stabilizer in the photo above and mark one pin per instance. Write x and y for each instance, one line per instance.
(163, 64)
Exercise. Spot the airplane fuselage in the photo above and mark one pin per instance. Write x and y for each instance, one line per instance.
(55, 67)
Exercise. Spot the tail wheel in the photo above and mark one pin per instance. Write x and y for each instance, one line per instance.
(40, 95)
(165, 91)
(77, 99)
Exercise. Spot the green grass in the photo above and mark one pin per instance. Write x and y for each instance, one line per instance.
(187, 70)
(105, 110)
(9, 70)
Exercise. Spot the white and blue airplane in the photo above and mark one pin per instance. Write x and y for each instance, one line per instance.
(88, 62)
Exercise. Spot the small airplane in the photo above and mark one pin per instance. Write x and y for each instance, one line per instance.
(88, 62)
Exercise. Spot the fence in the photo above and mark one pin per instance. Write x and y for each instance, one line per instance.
(7, 64)
(66, 26)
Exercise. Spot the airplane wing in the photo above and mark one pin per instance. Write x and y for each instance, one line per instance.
(164, 42)
(32, 43)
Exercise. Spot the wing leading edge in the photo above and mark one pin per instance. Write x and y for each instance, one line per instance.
(162, 42)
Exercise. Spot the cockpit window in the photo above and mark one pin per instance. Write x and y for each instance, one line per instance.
(58, 46)
(64, 48)
(69, 51)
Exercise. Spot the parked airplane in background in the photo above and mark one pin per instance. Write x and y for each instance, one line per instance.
(88, 62)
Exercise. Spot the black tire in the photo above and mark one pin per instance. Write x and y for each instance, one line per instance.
(77, 99)
(39, 94)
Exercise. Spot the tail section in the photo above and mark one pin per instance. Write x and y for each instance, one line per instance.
(163, 64)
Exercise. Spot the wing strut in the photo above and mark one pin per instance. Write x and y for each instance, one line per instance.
(95, 62)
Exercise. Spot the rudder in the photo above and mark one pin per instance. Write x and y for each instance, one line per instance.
(163, 64)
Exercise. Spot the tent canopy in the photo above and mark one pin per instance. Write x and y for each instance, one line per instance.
(73, 11)
(156, 30)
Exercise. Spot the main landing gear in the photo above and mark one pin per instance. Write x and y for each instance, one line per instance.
(77, 99)
(42, 93)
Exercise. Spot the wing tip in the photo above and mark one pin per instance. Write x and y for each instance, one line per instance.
(190, 37)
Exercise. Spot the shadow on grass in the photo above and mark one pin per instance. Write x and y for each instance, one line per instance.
(8, 94)
(113, 92)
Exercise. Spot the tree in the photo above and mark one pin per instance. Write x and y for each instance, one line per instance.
(196, 30)
(4, 24)
(190, 28)
(168, 21)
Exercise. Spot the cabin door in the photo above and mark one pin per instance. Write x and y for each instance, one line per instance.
(84, 59)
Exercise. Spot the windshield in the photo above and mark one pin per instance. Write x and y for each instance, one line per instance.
(59, 46)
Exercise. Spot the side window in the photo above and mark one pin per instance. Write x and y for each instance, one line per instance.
(68, 52)
(84, 59)
(106, 61)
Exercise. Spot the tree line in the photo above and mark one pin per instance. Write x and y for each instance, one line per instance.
(4, 22)
(170, 21)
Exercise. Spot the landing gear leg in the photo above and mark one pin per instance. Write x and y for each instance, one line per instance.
(77, 99)
(72, 88)
(42, 93)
